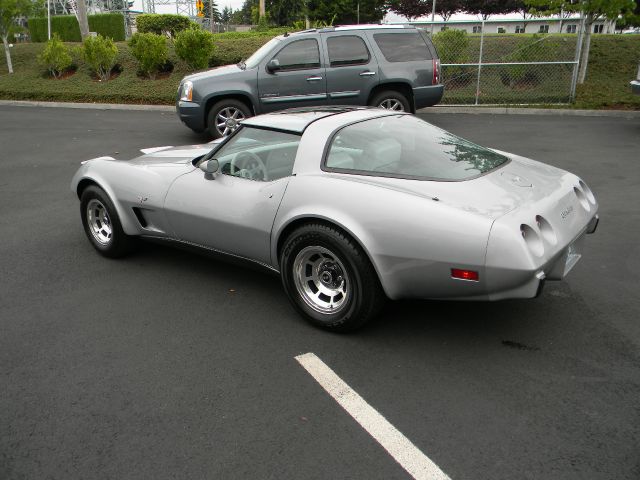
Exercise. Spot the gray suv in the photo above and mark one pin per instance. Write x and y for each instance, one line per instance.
(380, 65)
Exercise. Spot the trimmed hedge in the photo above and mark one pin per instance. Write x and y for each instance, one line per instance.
(162, 23)
(66, 26)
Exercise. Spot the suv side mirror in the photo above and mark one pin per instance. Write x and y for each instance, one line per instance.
(210, 166)
(273, 65)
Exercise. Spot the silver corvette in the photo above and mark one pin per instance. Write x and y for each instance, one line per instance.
(351, 206)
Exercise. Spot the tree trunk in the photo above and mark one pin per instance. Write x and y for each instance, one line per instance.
(81, 15)
(261, 11)
(584, 60)
(5, 40)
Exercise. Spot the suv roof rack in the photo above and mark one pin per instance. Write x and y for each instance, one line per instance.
(342, 28)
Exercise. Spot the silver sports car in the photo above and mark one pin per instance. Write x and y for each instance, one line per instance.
(351, 206)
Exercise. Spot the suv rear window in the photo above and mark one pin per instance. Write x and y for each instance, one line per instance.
(402, 47)
(347, 50)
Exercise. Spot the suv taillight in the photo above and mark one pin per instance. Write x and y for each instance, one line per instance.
(436, 71)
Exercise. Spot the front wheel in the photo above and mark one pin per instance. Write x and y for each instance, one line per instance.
(224, 117)
(329, 279)
(391, 100)
(102, 224)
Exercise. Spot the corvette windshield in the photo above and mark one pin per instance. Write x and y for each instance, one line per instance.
(406, 147)
(259, 54)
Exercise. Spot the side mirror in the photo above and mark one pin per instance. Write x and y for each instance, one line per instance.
(273, 65)
(210, 166)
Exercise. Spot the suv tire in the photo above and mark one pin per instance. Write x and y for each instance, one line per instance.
(391, 100)
(229, 110)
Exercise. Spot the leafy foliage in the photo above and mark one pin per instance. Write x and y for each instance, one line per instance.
(453, 47)
(151, 51)
(162, 24)
(195, 46)
(55, 57)
(530, 49)
(418, 8)
(100, 53)
(66, 26)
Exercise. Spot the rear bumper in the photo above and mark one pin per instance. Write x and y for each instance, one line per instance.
(635, 86)
(427, 96)
(191, 114)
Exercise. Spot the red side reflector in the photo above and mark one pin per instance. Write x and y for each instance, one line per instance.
(465, 274)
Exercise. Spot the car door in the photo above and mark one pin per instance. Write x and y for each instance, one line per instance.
(297, 81)
(352, 70)
(233, 211)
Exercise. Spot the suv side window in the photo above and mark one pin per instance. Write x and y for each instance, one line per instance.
(299, 55)
(347, 50)
(402, 47)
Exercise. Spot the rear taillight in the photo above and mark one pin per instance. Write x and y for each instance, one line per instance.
(436, 71)
(461, 274)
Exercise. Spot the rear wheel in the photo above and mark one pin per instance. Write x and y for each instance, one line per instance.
(102, 224)
(391, 100)
(224, 117)
(329, 279)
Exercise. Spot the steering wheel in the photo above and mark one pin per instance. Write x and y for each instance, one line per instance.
(248, 165)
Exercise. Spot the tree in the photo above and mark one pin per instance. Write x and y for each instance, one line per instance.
(215, 18)
(591, 10)
(342, 12)
(225, 17)
(419, 8)
(10, 11)
(486, 8)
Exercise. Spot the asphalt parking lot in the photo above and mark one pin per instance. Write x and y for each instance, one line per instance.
(172, 365)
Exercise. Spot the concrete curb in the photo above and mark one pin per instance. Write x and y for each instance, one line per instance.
(533, 111)
(439, 109)
(95, 106)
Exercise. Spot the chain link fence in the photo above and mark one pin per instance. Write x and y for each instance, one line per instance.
(515, 69)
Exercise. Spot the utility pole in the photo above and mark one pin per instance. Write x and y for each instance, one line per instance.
(433, 16)
(211, 15)
(358, 13)
(48, 20)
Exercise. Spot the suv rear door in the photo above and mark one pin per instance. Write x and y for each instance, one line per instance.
(352, 69)
(300, 80)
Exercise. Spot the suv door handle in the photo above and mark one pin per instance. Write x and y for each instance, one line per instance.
(367, 74)
(313, 79)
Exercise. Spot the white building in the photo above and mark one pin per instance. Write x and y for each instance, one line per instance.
(512, 25)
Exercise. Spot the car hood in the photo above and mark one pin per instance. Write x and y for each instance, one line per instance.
(161, 156)
(492, 195)
(214, 72)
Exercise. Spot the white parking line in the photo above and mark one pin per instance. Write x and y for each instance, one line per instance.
(416, 463)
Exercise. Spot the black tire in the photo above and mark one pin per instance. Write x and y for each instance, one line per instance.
(115, 245)
(364, 296)
(390, 96)
(219, 107)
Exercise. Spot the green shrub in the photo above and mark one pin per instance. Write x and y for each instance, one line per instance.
(110, 25)
(100, 53)
(55, 56)
(162, 23)
(194, 46)
(232, 50)
(453, 47)
(532, 48)
(151, 51)
(66, 26)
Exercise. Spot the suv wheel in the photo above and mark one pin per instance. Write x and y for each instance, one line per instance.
(391, 100)
(224, 117)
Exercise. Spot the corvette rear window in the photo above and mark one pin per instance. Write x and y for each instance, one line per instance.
(404, 146)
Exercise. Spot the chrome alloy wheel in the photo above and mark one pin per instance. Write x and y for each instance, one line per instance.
(99, 222)
(391, 104)
(227, 120)
(321, 279)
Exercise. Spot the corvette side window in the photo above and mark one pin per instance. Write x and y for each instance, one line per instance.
(259, 154)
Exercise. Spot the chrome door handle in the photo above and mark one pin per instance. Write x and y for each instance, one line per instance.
(313, 79)
(367, 74)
